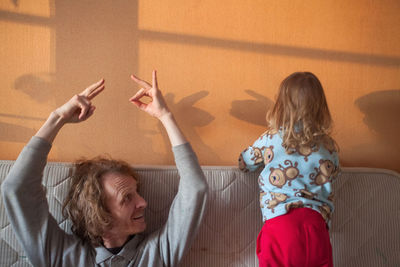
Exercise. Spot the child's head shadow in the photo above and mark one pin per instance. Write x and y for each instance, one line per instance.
(251, 110)
(382, 110)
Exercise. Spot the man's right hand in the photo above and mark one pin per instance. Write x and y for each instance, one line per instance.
(79, 107)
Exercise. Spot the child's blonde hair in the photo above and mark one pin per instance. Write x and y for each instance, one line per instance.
(301, 113)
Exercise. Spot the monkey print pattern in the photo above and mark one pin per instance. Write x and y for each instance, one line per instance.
(257, 155)
(323, 173)
(268, 155)
(262, 194)
(293, 205)
(306, 151)
(261, 181)
(326, 212)
(331, 197)
(304, 193)
(276, 199)
(279, 176)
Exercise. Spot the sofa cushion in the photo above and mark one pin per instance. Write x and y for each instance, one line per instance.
(365, 226)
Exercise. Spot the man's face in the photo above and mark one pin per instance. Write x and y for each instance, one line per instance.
(125, 205)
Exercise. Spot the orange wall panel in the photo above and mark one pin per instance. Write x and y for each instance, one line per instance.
(219, 65)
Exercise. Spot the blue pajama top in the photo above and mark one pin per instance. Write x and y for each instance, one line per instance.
(301, 179)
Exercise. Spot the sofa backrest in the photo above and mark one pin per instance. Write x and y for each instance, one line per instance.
(365, 226)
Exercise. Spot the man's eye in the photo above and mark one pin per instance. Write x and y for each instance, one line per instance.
(128, 197)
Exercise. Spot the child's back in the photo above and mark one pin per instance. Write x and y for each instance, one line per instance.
(300, 162)
(291, 180)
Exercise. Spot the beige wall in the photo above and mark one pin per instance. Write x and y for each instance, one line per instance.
(219, 65)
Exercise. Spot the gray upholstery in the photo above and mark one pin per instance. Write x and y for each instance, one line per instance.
(365, 228)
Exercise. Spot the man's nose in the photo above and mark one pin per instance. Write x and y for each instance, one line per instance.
(141, 202)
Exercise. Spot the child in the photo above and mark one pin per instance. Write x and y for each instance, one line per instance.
(300, 163)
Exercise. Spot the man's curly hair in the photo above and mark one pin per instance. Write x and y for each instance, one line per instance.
(85, 204)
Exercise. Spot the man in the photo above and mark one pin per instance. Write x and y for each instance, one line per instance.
(116, 240)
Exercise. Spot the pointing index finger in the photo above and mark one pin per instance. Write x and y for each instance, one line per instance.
(93, 90)
(155, 84)
(142, 83)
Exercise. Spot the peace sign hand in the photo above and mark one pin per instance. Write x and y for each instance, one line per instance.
(157, 107)
(79, 108)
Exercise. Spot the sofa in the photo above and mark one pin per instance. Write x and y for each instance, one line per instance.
(365, 228)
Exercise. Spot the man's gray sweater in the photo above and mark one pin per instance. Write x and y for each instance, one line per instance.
(47, 245)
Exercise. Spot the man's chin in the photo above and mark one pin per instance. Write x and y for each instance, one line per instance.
(143, 227)
(140, 229)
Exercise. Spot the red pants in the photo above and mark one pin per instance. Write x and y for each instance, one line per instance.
(298, 238)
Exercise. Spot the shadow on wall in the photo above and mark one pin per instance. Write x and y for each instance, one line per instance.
(39, 87)
(82, 47)
(190, 118)
(251, 110)
(36, 87)
(103, 39)
(15, 133)
(382, 111)
(74, 13)
(293, 51)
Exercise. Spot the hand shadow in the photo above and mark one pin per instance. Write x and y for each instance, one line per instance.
(251, 111)
(15, 2)
(15, 133)
(38, 87)
(190, 118)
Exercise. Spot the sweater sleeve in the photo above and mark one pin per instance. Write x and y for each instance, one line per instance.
(253, 157)
(187, 210)
(27, 208)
